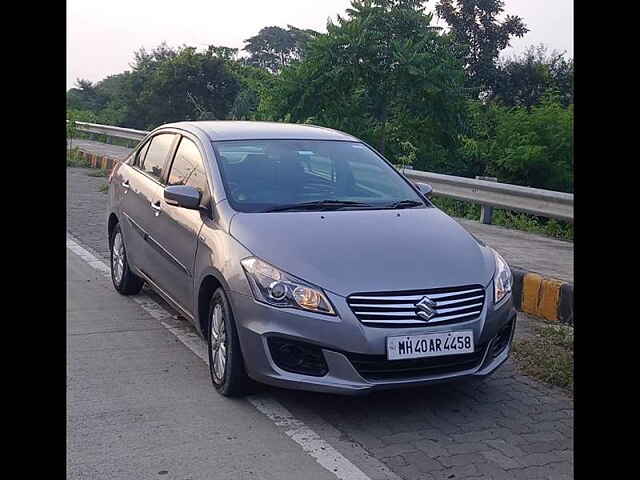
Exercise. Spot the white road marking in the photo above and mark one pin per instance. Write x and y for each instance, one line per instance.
(192, 341)
(310, 442)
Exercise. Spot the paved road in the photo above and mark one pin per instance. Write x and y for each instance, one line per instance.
(139, 403)
(535, 253)
(99, 148)
(128, 417)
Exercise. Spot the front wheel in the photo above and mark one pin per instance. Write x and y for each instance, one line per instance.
(225, 358)
(124, 280)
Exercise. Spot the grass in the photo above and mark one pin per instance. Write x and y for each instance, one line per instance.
(547, 355)
(506, 218)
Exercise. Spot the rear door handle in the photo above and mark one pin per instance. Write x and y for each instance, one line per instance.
(156, 206)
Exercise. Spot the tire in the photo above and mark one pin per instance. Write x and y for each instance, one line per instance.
(124, 280)
(226, 364)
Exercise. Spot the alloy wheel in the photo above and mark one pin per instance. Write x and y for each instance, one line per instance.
(117, 258)
(218, 343)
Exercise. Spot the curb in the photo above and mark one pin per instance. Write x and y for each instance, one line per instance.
(98, 161)
(543, 297)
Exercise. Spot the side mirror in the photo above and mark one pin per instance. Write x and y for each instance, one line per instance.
(425, 189)
(183, 196)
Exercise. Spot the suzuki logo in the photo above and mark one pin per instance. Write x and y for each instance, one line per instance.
(425, 308)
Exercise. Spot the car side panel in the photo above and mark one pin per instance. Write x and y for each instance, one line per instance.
(175, 237)
(142, 220)
(218, 255)
(124, 200)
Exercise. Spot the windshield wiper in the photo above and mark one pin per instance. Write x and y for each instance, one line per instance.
(318, 205)
(405, 204)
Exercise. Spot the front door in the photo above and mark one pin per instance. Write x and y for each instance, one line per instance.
(176, 229)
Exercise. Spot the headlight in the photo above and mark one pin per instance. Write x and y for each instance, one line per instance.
(277, 288)
(503, 280)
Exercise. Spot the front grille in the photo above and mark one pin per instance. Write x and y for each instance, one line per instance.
(377, 367)
(398, 309)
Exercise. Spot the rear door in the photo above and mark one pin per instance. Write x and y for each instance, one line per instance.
(141, 206)
(176, 229)
(128, 173)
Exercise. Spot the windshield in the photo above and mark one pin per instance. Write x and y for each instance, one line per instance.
(281, 175)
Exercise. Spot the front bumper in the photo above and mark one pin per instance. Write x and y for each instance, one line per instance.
(343, 340)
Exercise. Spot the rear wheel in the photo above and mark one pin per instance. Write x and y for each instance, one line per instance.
(124, 280)
(226, 364)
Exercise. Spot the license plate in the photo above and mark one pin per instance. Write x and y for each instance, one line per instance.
(431, 345)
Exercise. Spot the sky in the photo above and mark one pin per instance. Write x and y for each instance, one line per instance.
(103, 36)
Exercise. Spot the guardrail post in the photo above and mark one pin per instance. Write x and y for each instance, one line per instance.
(486, 211)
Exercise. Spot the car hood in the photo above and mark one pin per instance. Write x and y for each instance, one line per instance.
(353, 251)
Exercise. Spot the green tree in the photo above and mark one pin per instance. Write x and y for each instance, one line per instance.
(480, 35)
(301, 39)
(226, 53)
(382, 73)
(254, 85)
(114, 90)
(81, 116)
(168, 85)
(273, 48)
(523, 80)
(171, 84)
(525, 147)
(84, 96)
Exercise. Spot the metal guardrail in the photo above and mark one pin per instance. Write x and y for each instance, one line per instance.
(110, 131)
(535, 201)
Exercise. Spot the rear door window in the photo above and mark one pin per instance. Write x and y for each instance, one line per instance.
(139, 158)
(157, 154)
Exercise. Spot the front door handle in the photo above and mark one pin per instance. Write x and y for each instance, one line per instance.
(156, 206)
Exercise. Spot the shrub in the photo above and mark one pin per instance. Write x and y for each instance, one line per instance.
(530, 148)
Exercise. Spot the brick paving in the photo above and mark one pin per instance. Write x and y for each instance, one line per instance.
(506, 427)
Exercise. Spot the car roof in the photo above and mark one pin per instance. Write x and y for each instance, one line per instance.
(245, 130)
